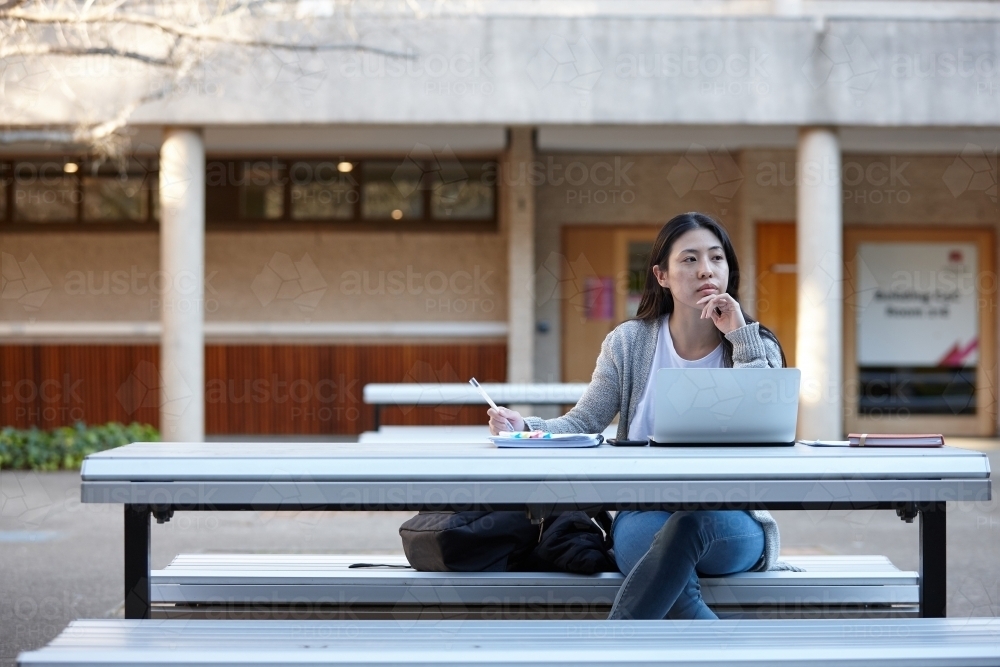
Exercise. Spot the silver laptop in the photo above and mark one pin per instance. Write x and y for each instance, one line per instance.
(725, 406)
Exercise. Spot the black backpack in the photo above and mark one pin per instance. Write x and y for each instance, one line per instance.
(476, 541)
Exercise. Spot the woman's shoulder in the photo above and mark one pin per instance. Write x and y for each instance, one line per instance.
(630, 331)
(632, 328)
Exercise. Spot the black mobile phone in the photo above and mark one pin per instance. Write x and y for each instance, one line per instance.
(627, 443)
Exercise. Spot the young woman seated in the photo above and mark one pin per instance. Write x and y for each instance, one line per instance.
(689, 317)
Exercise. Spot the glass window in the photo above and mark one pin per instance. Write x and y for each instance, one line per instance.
(902, 391)
(111, 195)
(638, 264)
(463, 191)
(392, 191)
(323, 190)
(154, 198)
(46, 191)
(4, 185)
(262, 192)
(72, 190)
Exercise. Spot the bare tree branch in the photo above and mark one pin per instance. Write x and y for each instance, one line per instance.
(177, 38)
(183, 31)
(92, 135)
(43, 50)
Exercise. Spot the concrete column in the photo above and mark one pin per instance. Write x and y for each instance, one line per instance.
(519, 219)
(819, 330)
(182, 262)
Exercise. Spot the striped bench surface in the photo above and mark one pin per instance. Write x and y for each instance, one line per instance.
(914, 642)
(286, 578)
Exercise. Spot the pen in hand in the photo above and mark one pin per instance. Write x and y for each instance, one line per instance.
(482, 392)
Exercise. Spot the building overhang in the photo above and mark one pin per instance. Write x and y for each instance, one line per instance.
(503, 70)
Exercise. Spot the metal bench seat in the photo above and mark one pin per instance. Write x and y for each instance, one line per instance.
(433, 434)
(919, 642)
(316, 579)
(369, 437)
(461, 393)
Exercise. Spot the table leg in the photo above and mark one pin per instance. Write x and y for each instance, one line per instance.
(933, 561)
(137, 591)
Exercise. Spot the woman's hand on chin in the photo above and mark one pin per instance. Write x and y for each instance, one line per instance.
(723, 310)
(504, 419)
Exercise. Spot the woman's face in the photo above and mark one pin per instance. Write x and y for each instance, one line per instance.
(696, 267)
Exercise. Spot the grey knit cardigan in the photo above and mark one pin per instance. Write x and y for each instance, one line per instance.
(620, 378)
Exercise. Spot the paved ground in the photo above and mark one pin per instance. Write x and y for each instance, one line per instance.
(61, 560)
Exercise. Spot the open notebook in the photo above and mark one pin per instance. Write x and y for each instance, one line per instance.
(539, 439)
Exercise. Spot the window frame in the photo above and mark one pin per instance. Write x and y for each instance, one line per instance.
(356, 223)
(10, 223)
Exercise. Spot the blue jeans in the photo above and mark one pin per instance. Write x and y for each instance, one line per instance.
(663, 552)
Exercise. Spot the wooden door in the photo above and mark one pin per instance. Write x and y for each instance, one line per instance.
(777, 288)
(598, 288)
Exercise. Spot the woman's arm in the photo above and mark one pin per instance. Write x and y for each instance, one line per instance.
(751, 350)
(601, 401)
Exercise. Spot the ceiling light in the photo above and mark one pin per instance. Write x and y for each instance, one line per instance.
(345, 167)
(71, 167)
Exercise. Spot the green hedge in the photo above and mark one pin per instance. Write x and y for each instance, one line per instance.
(64, 448)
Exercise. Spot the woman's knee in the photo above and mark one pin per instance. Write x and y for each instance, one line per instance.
(702, 528)
(734, 543)
(683, 525)
(681, 534)
(633, 533)
(714, 523)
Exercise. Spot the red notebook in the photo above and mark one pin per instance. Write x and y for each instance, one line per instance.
(895, 439)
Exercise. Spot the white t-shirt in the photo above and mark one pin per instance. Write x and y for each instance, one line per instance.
(664, 357)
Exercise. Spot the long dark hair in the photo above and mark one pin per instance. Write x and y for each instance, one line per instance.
(657, 301)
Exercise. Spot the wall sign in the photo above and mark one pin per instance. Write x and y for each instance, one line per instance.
(917, 304)
(599, 298)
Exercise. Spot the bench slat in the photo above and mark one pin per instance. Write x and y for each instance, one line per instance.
(346, 595)
(903, 642)
(813, 564)
(319, 578)
(426, 434)
(535, 393)
(476, 579)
